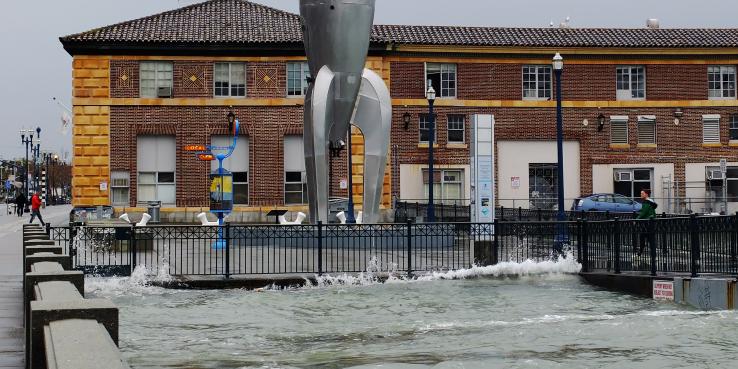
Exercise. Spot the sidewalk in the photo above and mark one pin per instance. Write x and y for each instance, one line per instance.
(11, 296)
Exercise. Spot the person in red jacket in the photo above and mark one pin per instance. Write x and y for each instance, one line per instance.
(36, 208)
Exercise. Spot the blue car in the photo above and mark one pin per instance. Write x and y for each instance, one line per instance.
(611, 202)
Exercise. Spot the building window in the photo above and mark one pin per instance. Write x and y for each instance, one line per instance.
(448, 185)
(295, 184)
(238, 164)
(630, 182)
(721, 82)
(631, 82)
(619, 130)
(711, 129)
(456, 128)
(543, 185)
(647, 130)
(156, 79)
(442, 77)
(536, 82)
(120, 188)
(297, 76)
(734, 127)
(156, 169)
(424, 126)
(230, 79)
(714, 182)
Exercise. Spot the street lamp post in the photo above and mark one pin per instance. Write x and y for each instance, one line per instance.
(26, 139)
(431, 95)
(37, 159)
(558, 66)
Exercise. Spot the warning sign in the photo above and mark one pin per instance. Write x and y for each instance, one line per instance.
(663, 290)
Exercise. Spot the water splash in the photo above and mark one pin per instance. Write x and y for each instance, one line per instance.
(141, 282)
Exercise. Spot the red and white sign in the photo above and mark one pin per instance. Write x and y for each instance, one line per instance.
(663, 290)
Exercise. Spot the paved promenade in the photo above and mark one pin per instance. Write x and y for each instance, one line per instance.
(11, 296)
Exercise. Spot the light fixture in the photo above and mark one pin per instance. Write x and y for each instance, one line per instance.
(231, 119)
(406, 118)
(600, 122)
(431, 93)
(558, 62)
(678, 113)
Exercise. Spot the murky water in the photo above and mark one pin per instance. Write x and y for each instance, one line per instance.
(527, 321)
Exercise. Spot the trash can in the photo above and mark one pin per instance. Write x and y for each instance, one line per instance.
(154, 208)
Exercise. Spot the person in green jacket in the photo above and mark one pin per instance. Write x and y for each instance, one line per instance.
(648, 211)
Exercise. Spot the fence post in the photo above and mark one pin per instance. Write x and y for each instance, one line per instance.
(228, 250)
(520, 213)
(495, 242)
(409, 245)
(579, 240)
(132, 242)
(652, 244)
(694, 244)
(502, 213)
(320, 247)
(540, 216)
(734, 246)
(616, 244)
(48, 229)
(585, 246)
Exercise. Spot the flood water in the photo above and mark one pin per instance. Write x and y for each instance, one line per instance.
(534, 319)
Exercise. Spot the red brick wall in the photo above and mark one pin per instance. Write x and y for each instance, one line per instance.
(128, 86)
(407, 80)
(266, 80)
(676, 82)
(489, 81)
(192, 79)
(588, 82)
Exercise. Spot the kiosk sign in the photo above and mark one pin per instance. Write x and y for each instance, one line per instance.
(663, 290)
(221, 192)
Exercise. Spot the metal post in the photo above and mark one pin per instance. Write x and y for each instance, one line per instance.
(652, 244)
(431, 179)
(579, 240)
(228, 250)
(560, 146)
(495, 242)
(616, 244)
(409, 245)
(48, 229)
(133, 248)
(585, 246)
(694, 244)
(734, 245)
(320, 247)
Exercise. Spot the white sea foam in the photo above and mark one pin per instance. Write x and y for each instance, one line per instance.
(139, 283)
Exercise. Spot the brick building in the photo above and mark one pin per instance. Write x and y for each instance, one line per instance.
(643, 108)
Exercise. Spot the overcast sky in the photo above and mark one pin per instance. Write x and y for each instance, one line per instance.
(36, 68)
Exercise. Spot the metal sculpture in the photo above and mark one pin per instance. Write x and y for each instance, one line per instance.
(336, 34)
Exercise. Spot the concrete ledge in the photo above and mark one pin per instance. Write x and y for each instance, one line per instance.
(637, 284)
(80, 344)
(75, 277)
(64, 260)
(39, 242)
(32, 250)
(45, 312)
(707, 293)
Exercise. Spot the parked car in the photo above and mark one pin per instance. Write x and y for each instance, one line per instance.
(611, 202)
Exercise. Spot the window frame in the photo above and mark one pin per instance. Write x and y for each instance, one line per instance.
(303, 183)
(424, 119)
(733, 127)
(441, 92)
(633, 180)
(619, 120)
(548, 90)
(721, 82)
(304, 74)
(630, 89)
(230, 80)
(712, 119)
(439, 195)
(643, 120)
(456, 129)
(157, 71)
(157, 184)
(120, 175)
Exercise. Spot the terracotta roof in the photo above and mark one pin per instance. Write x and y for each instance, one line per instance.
(234, 22)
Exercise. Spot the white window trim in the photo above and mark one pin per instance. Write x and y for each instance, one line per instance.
(630, 83)
(122, 175)
(156, 63)
(522, 83)
(438, 93)
(230, 82)
(287, 83)
(721, 97)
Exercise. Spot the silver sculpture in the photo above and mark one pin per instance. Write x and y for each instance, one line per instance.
(336, 35)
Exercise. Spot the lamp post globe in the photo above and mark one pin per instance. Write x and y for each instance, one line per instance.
(431, 96)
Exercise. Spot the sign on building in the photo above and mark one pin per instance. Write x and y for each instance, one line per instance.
(663, 290)
(483, 174)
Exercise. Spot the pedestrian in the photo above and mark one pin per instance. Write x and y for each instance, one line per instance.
(648, 211)
(36, 208)
(20, 203)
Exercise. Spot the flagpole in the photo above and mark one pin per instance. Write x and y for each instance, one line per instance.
(68, 109)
